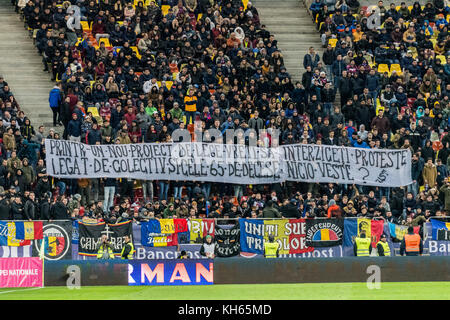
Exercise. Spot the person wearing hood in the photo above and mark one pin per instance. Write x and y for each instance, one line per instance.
(334, 211)
(208, 248)
(170, 211)
(401, 97)
(420, 112)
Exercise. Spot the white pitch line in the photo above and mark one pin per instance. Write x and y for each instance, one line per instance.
(18, 290)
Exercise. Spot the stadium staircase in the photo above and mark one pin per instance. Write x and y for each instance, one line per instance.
(293, 28)
(21, 67)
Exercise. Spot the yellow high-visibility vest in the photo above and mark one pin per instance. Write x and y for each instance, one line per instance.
(385, 245)
(362, 247)
(270, 249)
(130, 255)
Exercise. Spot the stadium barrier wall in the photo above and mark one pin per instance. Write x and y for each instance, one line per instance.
(89, 272)
(128, 272)
(245, 271)
(323, 270)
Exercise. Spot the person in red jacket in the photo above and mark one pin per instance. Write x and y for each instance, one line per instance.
(334, 210)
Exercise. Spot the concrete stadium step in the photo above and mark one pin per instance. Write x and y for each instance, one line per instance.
(293, 28)
(21, 66)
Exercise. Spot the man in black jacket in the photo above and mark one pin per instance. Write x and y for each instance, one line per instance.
(17, 208)
(59, 210)
(290, 210)
(345, 87)
(30, 208)
(44, 208)
(42, 187)
(5, 208)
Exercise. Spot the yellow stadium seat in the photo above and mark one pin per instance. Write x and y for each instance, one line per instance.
(175, 75)
(91, 83)
(245, 3)
(382, 68)
(169, 85)
(94, 111)
(135, 49)
(85, 25)
(106, 41)
(396, 67)
(442, 58)
(120, 23)
(165, 10)
(160, 83)
(332, 42)
(200, 15)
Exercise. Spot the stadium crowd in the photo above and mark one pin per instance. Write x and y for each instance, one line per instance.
(135, 72)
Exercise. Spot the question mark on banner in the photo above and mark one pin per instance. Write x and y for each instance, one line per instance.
(367, 174)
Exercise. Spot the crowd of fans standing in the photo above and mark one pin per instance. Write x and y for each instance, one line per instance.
(135, 72)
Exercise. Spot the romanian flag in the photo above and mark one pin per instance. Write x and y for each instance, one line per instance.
(325, 235)
(354, 227)
(289, 233)
(162, 232)
(398, 231)
(277, 228)
(29, 230)
(440, 230)
(12, 240)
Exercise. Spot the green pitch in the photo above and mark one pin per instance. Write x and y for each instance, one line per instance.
(344, 291)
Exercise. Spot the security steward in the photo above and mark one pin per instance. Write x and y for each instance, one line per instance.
(362, 246)
(127, 249)
(105, 251)
(411, 244)
(383, 247)
(271, 248)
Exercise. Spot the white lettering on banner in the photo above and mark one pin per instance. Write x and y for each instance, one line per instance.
(229, 163)
(435, 247)
(19, 272)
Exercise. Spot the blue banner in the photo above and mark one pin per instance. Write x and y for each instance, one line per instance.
(440, 230)
(350, 231)
(75, 234)
(3, 233)
(251, 241)
(163, 272)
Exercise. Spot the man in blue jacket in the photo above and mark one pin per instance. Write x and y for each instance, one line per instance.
(54, 100)
(74, 128)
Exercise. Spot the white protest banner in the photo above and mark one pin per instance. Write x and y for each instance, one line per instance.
(190, 161)
(229, 163)
(322, 163)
